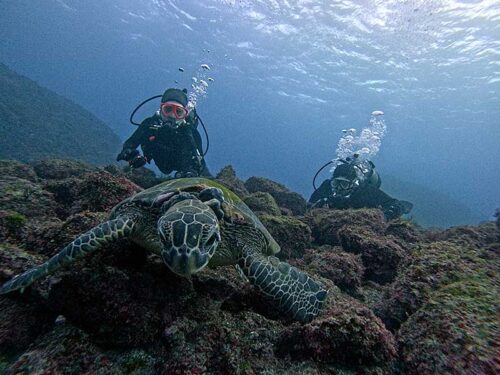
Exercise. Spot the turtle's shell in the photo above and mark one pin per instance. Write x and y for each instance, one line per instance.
(232, 206)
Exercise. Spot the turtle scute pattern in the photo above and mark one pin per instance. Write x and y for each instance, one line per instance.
(194, 215)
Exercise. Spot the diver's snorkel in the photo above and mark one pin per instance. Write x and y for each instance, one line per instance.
(131, 119)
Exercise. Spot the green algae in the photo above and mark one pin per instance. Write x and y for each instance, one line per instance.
(16, 219)
(137, 362)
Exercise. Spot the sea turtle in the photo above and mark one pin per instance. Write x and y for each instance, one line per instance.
(192, 223)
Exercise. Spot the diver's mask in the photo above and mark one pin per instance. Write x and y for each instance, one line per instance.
(347, 178)
(343, 187)
(173, 114)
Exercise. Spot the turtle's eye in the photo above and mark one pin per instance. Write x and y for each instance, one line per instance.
(165, 232)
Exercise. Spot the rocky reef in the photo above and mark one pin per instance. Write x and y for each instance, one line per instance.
(402, 300)
(68, 130)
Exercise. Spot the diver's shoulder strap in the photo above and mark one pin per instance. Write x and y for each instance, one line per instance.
(192, 118)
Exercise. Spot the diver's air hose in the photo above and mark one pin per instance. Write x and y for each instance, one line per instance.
(206, 135)
(317, 173)
(159, 96)
(139, 106)
(323, 167)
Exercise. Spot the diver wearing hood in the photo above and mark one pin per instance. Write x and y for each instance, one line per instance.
(356, 184)
(170, 138)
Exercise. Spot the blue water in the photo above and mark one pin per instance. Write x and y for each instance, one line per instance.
(288, 77)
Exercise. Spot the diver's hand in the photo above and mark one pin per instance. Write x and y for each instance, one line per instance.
(186, 174)
(127, 154)
(392, 212)
(138, 161)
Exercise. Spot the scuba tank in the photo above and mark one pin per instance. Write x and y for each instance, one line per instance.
(368, 173)
(196, 117)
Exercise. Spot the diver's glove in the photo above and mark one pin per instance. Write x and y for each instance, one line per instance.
(138, 161)
(406, 206)
(127, 154)
(393, 211)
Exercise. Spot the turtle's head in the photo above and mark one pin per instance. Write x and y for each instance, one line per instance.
(189, 233)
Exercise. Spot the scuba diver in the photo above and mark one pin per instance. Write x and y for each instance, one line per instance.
(356, 184)
(170, 138)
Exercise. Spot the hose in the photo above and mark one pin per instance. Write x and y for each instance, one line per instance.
(131, 119)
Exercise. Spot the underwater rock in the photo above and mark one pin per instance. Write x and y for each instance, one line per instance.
(117, 307)
(12, 225)
(227, 176)
(25, 197)
(15, 260)
(262, 203)
(100, 191)
(455, 332)
(58, 169)
(344, 269)
(283, 196)
(467, 235)
(497, 215)
(21, 321)
(325, 223)
(15, 168)
(404, 230)
(143, 177)
(431, 267)
(37, 123)
(65, 192)
(49, 237)
(241, 344)
(380, 255)
(292, 235)
(347, 333)
(64, 350)
(95, 191)
(127, 313)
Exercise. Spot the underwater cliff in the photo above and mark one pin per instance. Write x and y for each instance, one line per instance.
(401, 299)
(36, 123)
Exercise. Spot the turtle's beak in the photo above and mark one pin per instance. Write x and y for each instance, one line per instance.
(189, 233)
(182, 262)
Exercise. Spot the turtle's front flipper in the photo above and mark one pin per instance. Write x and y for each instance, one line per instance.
(88, 242)
(295, 292)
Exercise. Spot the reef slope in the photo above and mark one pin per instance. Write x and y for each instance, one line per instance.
(401, 300)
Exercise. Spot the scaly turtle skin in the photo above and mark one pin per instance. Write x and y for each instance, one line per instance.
(193, 223)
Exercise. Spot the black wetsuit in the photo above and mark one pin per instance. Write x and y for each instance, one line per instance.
(171, 149)
(366, 195)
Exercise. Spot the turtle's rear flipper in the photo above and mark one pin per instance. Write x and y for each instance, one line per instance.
(295, 292)
(88, 242)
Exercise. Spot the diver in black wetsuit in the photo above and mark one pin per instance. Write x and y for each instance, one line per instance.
(356, 184)
(170, 138)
